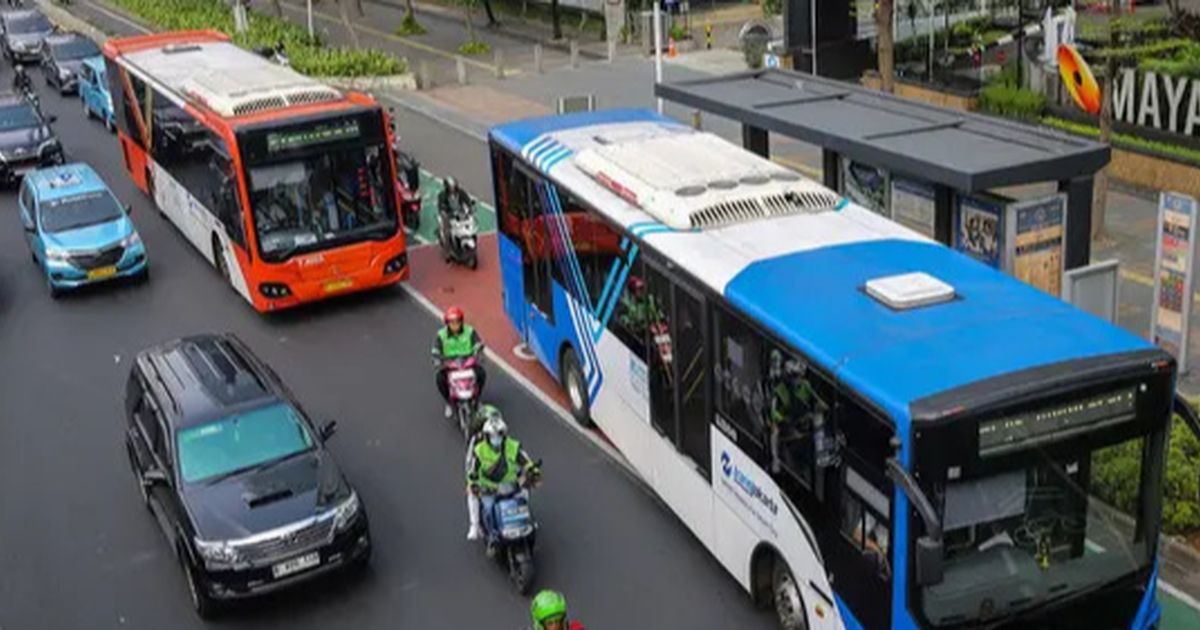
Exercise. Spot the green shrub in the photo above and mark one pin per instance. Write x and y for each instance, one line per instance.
(306, 56)
(1185, 62)
(475, 48)
(772, 7)
(1125, 141)
(1005, 99)
(410, 26)
(678, 32)
(1115, 474)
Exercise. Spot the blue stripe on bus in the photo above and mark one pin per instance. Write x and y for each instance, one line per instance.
(609, 282)
(841, 204)
(848, 619)
(1149, 611)
(555, 157)
(633, 252)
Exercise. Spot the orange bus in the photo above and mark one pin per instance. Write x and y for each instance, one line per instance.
(286, 185)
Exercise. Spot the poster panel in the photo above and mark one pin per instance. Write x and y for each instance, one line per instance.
(1175, 248)
(1037, 241)
(913, 205)
(979, 227)
(866, 186)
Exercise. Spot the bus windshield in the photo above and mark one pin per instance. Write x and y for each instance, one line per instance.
(1028, 534)
(321, 199)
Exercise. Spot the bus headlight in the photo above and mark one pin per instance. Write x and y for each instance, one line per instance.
(396, 264)
(274, 290)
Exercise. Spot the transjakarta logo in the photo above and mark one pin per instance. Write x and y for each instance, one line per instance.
(747, 484)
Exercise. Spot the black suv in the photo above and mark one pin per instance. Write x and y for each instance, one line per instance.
(235, 473)
(27, 141)
(62, 60)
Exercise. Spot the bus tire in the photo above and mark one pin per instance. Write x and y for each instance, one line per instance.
(785, 595)
(573, 382)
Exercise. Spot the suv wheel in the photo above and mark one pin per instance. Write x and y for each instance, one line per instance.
(201, 602)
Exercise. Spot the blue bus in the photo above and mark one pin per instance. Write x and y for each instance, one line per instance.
(867, 429)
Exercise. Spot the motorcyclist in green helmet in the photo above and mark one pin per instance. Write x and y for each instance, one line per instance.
(549, 612)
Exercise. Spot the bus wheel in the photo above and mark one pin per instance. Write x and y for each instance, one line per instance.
(789, 606)
(572, 380)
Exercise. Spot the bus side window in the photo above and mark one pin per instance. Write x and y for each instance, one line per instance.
(509, 207)
(739, 378)
(864, 521)
(130, 110)
(798, 416)
(629, 321)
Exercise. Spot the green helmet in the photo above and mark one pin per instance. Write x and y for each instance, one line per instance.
(487, 412)
(546, 606)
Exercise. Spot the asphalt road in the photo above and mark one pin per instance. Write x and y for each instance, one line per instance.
(77, 550)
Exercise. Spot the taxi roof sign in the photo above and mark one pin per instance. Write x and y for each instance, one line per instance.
(65, 179)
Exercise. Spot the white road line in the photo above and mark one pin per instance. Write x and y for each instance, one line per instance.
(1180, 595)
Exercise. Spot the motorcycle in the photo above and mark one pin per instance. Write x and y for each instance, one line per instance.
(464, 393)
(511, 531)
(408, 176)
(458, 231)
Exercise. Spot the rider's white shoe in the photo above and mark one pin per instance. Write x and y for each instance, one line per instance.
(474, 533)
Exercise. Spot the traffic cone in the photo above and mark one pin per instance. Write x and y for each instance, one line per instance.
(671, 46)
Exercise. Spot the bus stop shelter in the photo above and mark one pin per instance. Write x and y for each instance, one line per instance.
(953, 156)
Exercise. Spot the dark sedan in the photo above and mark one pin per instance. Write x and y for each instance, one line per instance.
(236, 474)
(62, 60)
(23, 34)
(27, 140)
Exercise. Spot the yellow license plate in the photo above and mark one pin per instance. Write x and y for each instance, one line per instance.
(338, 285)
(102, 273)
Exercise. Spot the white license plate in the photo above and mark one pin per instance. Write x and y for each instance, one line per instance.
(295, 565)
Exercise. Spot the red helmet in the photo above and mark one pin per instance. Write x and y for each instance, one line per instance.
(452, 314)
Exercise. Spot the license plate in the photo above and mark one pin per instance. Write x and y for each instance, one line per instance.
(338, 285)
(102, 273)
(288, 567)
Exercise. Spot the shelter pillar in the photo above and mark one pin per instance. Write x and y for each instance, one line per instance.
(830, 169)
(755, 140)
(1079, 220)
(943, 214)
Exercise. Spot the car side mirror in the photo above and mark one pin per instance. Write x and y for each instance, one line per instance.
(328, 430)
(128, 208)
(929, 561)
(52, 118)
(154, 476)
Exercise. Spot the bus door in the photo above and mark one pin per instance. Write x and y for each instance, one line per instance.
(540, 331)
(679, 404)
(511, 189)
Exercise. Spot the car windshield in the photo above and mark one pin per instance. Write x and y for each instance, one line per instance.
(69, 213)
(1025, 536)
(241, 442)
(18, 116)
(74, 49)
(321, 200)
(36, 23)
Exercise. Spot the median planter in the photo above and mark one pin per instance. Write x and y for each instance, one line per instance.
(406, 81)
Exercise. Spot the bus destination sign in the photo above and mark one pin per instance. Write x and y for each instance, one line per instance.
(1049, 423)
(302, 138)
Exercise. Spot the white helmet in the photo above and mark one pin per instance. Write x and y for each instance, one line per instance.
(494, 429)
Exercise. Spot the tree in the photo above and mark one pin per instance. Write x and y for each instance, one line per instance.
(555, 20)
(1100, 192)
(886, 45)
(278, 8)
(409, 25)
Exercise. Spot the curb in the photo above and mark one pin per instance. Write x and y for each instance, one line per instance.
(70, 21)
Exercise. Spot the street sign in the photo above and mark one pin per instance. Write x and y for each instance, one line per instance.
(1173, 259)
(1094, 289)
(1034, 241)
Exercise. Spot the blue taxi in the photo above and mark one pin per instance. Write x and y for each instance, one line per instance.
(78, 233)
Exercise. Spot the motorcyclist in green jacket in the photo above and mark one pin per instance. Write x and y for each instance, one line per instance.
(455, 340)
(548, 611)
(493, 460)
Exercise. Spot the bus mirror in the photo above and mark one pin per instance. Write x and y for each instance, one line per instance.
(929, 561)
